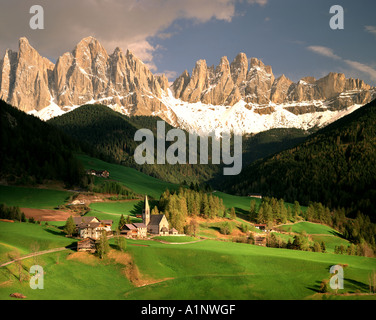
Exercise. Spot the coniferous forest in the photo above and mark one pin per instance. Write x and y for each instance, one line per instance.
(335, 166)
(33, 151)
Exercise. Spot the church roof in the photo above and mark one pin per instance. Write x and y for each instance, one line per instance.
(155, 219)
(146, 204)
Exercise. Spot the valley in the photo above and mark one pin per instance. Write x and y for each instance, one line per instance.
(100, 183)
(214, 268)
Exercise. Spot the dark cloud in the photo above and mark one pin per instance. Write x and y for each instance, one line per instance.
(127, 24)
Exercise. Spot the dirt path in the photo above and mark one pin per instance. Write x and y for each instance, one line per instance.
(166, 242)
(35, 254)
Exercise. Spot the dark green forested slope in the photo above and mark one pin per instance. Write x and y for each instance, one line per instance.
(32, 151)
(335, 166)
(111, 134)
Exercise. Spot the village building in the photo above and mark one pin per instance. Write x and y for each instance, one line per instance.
(129, 230)
(90, 230)
(152, 224)
(87, 245)
(92, 227)
(141, 230)
(260, 226)
(98, 173)
(260, 241)
(255, 195)
(156, 224)
(107, 225)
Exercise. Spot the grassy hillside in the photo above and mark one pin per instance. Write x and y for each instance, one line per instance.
(202, 270)
(139, 182)
(317, 232)
(36, 198)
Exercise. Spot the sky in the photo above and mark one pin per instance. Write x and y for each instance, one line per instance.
(292, 36)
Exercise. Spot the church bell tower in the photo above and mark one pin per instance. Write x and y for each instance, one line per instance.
(146, 212)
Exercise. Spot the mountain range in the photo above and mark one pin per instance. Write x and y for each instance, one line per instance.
(242, 96)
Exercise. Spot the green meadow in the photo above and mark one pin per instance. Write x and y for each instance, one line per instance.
(35, 198)
(114, 209)
(25, 237)
(309, 228)
(208, 269)
(138, 182)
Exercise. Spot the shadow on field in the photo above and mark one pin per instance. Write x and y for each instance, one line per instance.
(55, 232)
(315, 287)
(354, 285)
(336, 234)
(137, 209)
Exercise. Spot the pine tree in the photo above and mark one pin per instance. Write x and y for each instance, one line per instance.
(252, 210)
(155, 211)
(103, 247)
(70, 226)
(122, 222)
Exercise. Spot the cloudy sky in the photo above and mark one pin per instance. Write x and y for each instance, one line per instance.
(293, 36)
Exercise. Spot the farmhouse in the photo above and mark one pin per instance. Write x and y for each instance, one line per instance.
(260, 226)
(134, 230)
(98, 173)
(129, 230)
(255, 195)
(91, 227)
(260, 241)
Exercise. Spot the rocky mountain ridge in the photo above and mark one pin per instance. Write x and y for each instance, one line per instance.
(242, 96)
(87, 74)
(255, 83)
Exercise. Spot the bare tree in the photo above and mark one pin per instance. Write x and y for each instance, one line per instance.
(372, 282)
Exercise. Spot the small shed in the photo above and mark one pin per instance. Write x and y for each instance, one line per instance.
(87, 244)
(260, 226)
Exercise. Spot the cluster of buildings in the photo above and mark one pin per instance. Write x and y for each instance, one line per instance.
(90, 229)
(98, 173)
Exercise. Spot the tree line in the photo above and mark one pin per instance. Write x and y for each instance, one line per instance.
(177, 206)
(360, 230)
(336, 166)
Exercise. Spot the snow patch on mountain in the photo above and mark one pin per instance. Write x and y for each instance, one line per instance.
(245, 117)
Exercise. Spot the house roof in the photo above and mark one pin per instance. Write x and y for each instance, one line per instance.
(140, 225)
(107, 221)
(85, 219)
(129, 226)
(81, 242)
(92, 225)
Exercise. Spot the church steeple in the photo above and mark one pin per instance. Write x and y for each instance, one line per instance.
(146, 212)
